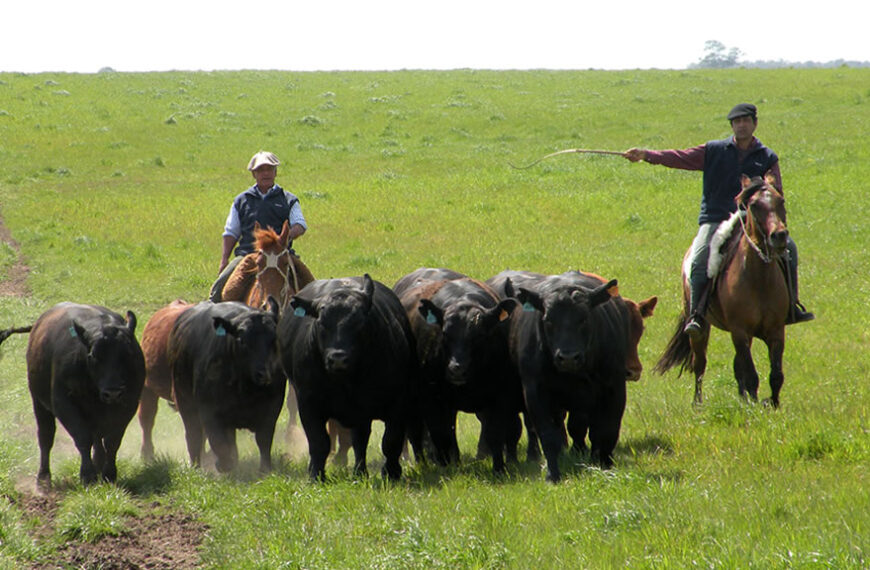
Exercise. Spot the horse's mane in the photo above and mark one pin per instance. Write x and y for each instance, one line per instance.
(266, 238)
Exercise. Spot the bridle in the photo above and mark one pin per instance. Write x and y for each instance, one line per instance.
(764, 256)
(272, 260)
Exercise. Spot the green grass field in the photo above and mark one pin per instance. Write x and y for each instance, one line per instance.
(116, 187)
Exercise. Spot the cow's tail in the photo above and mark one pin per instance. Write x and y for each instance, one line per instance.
(9, 332)
(678, 351)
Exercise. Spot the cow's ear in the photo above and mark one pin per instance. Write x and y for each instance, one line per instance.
(273, 306)
(509, 288)
(131, 322)
(500, 312)
(431, 313)
(602, 294)
(223, 327)
(303, 307)
(368, 290)
(78, 331)
(530, 300)
(647, 307)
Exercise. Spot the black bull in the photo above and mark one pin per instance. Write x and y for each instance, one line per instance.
(460, 327)
(348, 350)
(226, 375)
(85, 369)
(568, 344)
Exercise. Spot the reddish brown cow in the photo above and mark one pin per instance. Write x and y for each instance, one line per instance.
(158, 383)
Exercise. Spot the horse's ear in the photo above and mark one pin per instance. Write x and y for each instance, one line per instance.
(770, 179)
(257, 226)
(748, 187)
(285, 232)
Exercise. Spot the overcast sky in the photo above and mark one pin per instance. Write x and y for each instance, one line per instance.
(159, 35)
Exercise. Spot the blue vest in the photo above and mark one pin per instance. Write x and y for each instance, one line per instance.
(271, 210)
(722, 170)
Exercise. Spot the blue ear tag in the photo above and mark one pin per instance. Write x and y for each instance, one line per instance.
(220, 331)
(430, 318)
(72, 332)
(299, 312)
(527, 307)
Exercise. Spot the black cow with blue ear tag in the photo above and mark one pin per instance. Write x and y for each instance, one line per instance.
(226, 375)
(568, 344)
(348, 350)
(86, 369)
(460, 328)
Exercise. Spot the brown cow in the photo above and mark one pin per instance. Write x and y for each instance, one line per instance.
(158, 383)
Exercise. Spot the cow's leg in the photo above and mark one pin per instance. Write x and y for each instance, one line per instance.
(99, 453)
(46, 426)
(492, 427)
(223, 442)
(533, 446)
(292, 409)
(550, 434)
(699, 360)
(441, 425)
(147, 412)
(110, 445)
(775, 349)
(578, 426)
(194, 435)
(606, 421)
(391, 446)
(744, 368)
(360, 437)
(264, 436)
(314, 425)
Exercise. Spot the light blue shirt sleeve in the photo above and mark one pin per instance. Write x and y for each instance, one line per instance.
(296, 216)
(233, 226)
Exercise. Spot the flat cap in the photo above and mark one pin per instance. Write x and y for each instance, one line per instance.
(261, 158)
(743, 110)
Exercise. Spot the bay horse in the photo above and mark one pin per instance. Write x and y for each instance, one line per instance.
(749, 296)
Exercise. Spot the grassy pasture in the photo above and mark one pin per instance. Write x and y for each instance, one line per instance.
(116, 186)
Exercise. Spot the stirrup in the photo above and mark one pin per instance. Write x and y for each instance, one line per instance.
(799, 314)
(694, 326)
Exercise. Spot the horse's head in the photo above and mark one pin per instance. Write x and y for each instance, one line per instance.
(766, 206)
(272, 264)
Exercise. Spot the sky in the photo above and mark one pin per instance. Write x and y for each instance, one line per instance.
(85, 36)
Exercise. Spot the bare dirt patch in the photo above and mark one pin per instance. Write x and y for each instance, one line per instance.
(157, 539)
(14, 283)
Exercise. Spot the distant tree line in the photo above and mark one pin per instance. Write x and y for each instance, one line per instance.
(718, 56)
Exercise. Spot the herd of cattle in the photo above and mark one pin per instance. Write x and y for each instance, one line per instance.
(556, 350)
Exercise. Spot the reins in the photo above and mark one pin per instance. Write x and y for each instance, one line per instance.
(762, 255)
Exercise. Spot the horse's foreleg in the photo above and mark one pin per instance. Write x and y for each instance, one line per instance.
(744, 368)
(775, 349)
(699, 361)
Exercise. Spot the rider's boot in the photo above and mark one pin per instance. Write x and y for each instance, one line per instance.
(797, 313)
(698, 291)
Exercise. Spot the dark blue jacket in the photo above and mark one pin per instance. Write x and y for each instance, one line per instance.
(722, 170)
(272, 210)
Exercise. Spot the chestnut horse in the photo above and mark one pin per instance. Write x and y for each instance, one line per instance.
(270, 270)
(749, 298)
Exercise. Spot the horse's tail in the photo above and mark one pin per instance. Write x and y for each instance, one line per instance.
(9, 332)
(678, 351)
